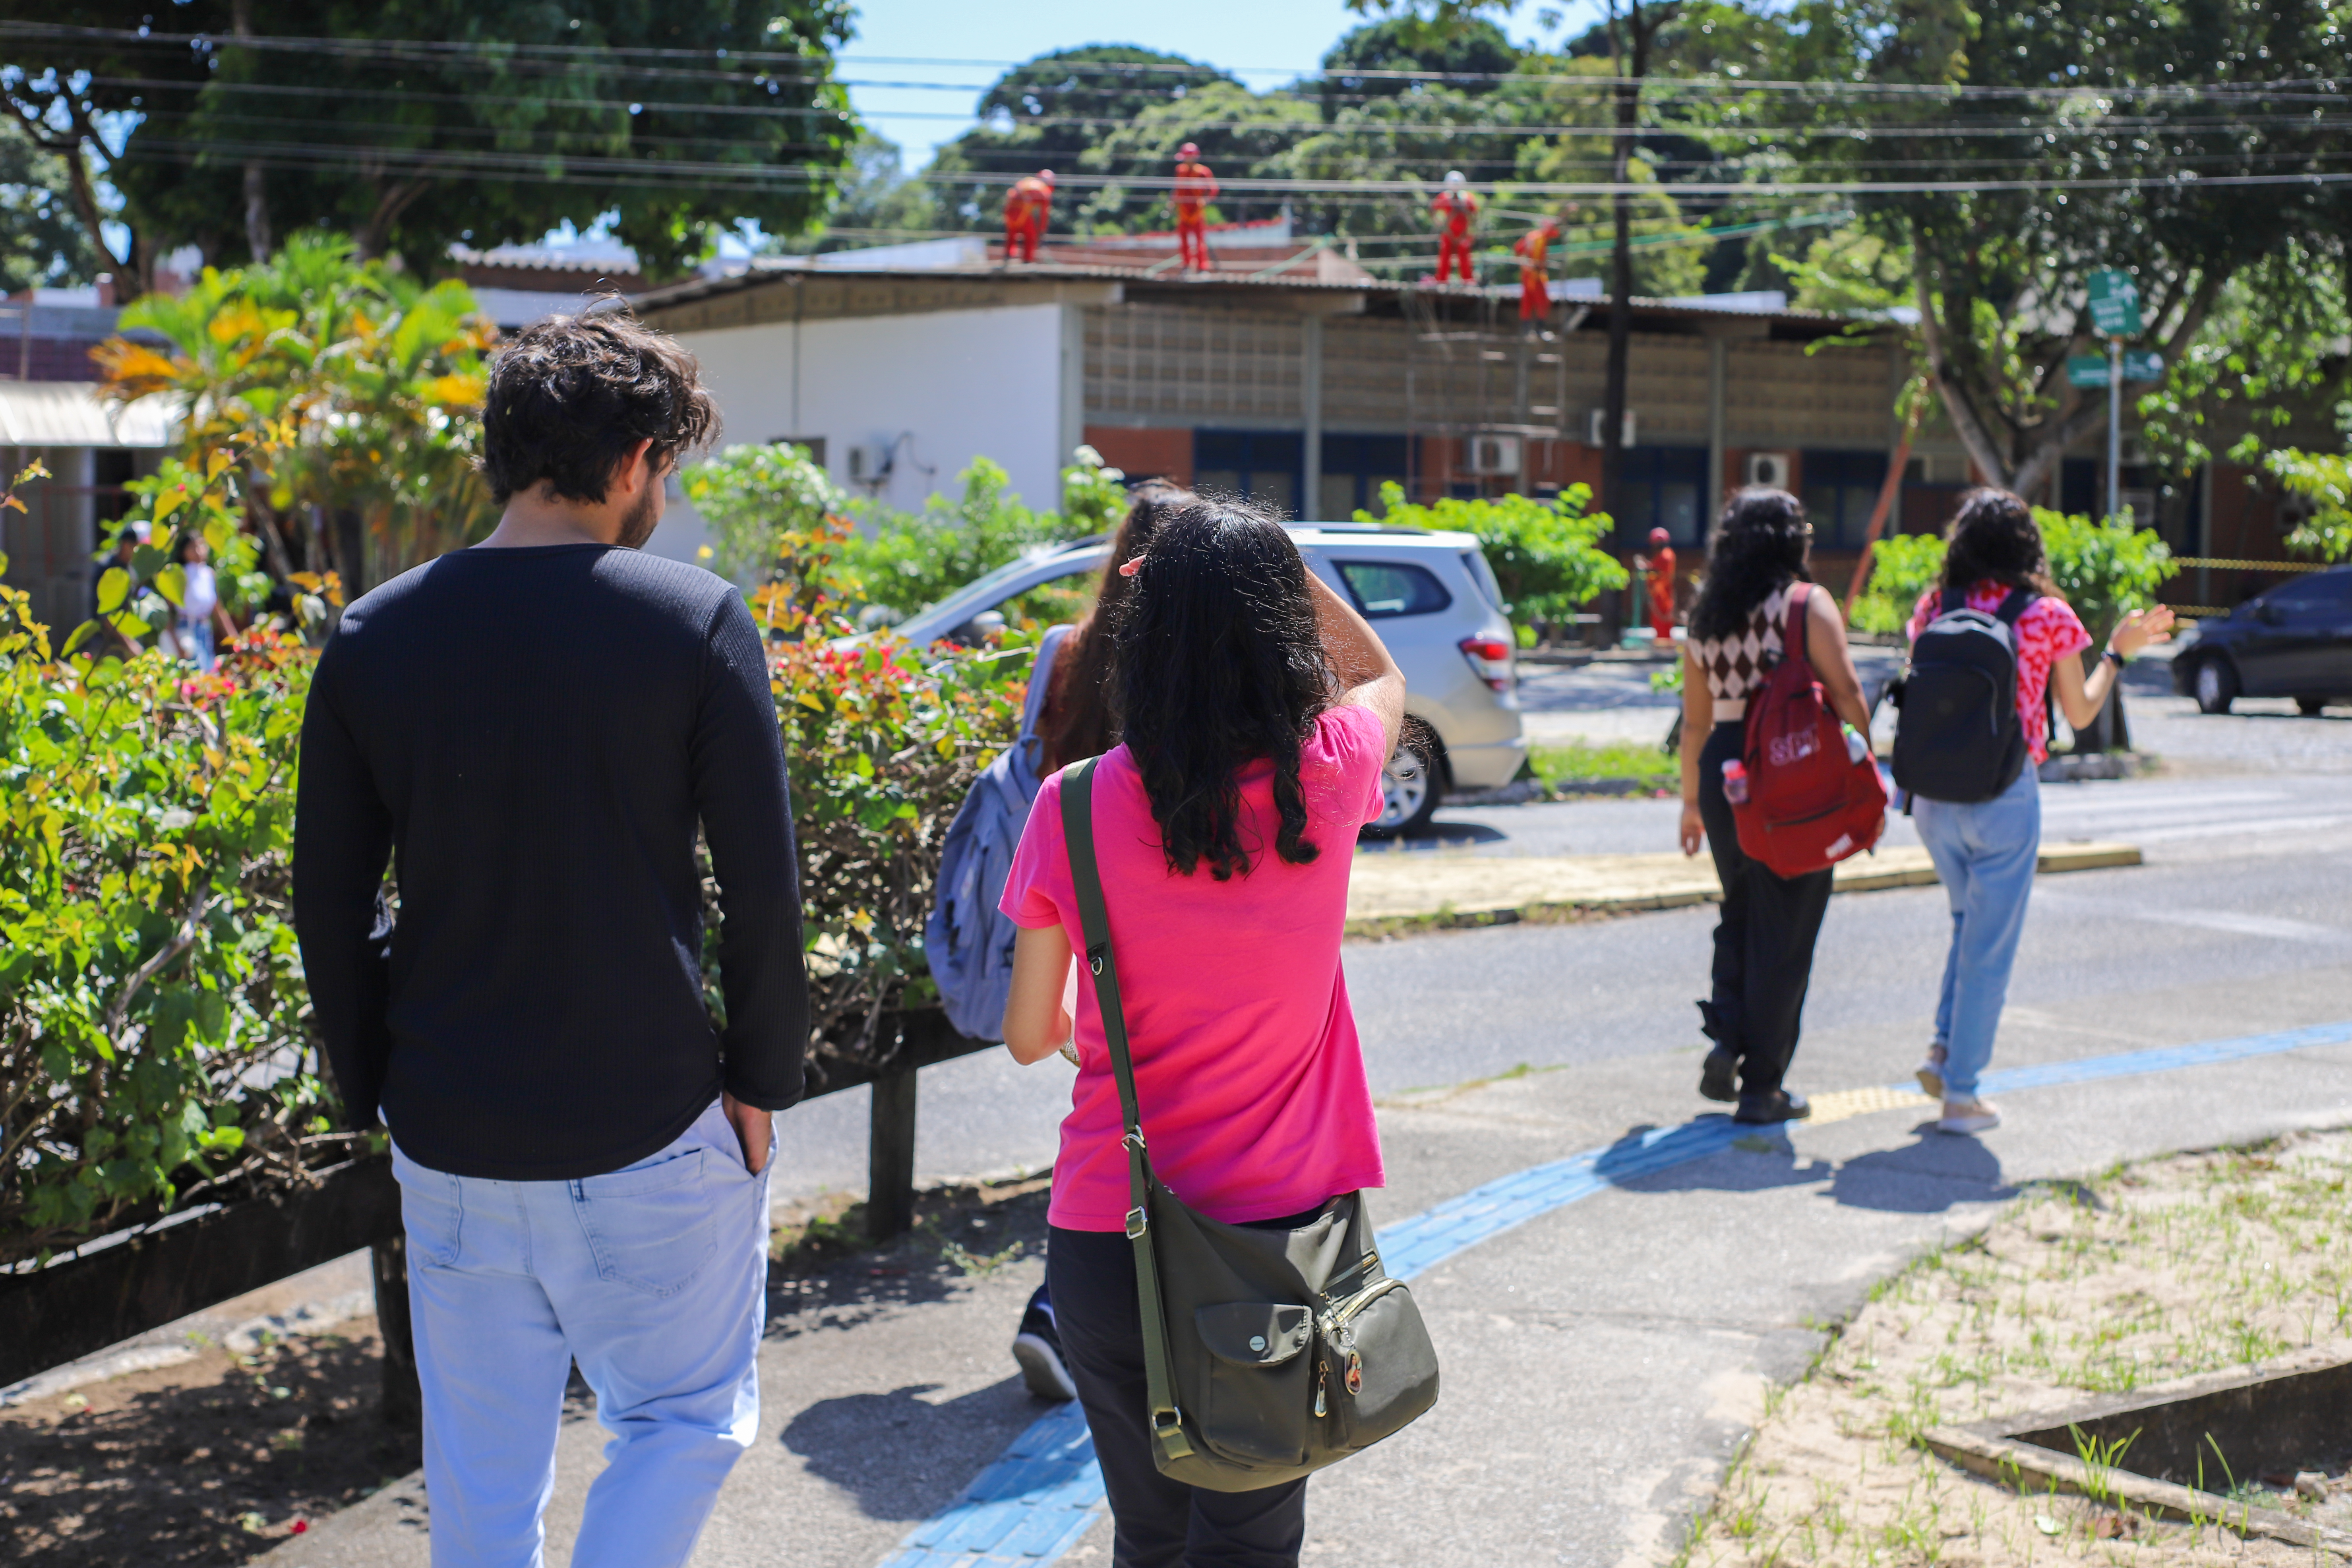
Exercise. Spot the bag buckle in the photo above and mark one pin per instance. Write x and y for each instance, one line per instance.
(1137, 1222)
(1095, 958)
(1133, 1141)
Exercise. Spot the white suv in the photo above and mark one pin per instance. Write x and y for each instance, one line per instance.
(1432, 597)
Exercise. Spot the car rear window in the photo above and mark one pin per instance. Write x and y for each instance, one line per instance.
(1385, 588)
(1475, 562)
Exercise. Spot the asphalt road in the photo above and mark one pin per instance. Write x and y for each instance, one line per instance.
(1603, 1359)
(2248, 837)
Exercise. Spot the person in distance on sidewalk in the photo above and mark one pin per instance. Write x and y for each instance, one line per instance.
(1985, 851)
(1765, 932)
(530, 732)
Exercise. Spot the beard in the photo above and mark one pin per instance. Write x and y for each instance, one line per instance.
(637, 526)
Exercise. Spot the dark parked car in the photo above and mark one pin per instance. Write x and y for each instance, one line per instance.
(2293, 641)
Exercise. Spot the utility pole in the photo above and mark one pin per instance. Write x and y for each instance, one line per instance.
(2115, 425)
(256, 194)
(1627, 92)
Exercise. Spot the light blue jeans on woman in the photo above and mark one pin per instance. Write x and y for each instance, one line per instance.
(654, 1279)
(1985, 853)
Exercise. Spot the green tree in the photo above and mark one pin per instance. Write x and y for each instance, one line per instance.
(42, 242)
(2069, 91)
(1545, 554)
(2324, 481)
(342, 386)
(411, 125)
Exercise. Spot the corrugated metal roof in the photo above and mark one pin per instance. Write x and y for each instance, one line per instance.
(767, 272)
(71, 413)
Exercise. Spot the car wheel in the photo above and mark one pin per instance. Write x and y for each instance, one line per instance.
(2217, 686)
(1411, 786)
(2311, 707)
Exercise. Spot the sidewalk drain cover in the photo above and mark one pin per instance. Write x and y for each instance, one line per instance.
(2287, 1432)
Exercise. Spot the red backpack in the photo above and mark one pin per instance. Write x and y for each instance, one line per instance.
(1809, 805)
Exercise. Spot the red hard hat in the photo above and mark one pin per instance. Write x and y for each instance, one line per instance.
(1659, 536)
(1188, 150)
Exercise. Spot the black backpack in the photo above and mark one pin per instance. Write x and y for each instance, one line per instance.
(1958, 736)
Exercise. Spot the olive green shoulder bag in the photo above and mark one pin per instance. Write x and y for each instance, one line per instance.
(1267, 1353)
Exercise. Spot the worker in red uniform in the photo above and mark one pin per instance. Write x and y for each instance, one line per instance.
(1196, 187)
(1457, 209)
(1659, 569)
(1532, 247)
(1026, 207)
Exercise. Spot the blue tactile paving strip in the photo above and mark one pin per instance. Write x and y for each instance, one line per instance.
(1031, 1505)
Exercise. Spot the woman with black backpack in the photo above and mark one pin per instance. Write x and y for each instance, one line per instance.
(1764, 935)
(1972, 775)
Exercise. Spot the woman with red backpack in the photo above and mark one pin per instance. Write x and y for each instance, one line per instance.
(1764, 936)
(1994, 632)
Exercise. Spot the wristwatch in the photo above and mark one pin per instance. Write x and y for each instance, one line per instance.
(2118, 659)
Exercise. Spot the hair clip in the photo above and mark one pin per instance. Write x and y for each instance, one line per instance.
(1132, 567)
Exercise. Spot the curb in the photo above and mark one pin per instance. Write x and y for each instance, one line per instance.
(1403, 894)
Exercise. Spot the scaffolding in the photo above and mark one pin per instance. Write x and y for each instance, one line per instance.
(1470, 373)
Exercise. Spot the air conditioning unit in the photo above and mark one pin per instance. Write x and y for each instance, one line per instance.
(870, 464)
(1599, 426)
(1770, 468)
(1493, 454)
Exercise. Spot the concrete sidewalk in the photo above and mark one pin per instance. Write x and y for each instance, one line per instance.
(1601, 1361)
(1457, 888)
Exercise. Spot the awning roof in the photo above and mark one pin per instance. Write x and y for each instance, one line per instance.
(69, 413)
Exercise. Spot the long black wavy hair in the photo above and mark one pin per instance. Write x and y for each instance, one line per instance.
(1077, 720)
(1994, 538)
(1759, 543)
(1219, 663)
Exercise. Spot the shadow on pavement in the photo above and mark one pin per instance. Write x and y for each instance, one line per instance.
(1758, 1160)
(901, 1455)
(1926, 1177)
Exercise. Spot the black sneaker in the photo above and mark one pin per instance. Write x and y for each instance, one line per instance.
(1037, 1348)
(1780, 1105)
(1718, 1075)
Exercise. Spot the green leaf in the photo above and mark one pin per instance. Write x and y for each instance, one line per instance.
(81, 634)
(113, 587)
(171, 581)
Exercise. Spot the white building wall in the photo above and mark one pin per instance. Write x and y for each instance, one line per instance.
(935, 389)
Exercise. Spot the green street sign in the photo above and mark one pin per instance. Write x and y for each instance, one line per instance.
(2091, 370)
(2115, 304)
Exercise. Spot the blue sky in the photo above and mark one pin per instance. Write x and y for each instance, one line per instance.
(1263, 42)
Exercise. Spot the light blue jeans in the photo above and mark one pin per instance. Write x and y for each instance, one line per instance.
(1985, 854)
(653, 1277)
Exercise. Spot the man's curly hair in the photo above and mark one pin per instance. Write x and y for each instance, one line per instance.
(569, 396)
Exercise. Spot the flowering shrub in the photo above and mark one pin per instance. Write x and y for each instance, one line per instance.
(883, 741)
(154, 1039)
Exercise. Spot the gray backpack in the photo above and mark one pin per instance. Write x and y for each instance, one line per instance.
(968, 940)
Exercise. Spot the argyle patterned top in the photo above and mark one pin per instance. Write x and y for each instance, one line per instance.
(1736, 665)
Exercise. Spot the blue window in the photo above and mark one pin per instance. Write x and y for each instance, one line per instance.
(1354, 468)
(1664, 487)
(1261, 466)
(1841, 491)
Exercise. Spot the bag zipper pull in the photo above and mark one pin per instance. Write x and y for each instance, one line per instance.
(1322, 1377)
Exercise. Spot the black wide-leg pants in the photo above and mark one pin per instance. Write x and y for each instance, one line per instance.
(1763, 941)
(1156, 1522)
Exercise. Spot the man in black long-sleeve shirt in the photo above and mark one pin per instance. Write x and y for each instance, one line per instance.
(530, 732)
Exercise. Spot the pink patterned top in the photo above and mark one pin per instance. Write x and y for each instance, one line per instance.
(2048, 631)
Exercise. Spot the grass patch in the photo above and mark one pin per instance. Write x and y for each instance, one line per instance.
(1564, 768)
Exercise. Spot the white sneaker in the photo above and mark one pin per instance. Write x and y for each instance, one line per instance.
(1969, 1117)
(1930, 1073)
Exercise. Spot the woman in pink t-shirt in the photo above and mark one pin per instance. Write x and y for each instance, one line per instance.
(1985, 851)
(1257, 709)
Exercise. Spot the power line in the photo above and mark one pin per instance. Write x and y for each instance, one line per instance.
(505, 53)
(2109, 125)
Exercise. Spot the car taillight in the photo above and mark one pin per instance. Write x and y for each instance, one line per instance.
(1491, 658)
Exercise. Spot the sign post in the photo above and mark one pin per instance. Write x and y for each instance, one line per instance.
(2115, 313)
